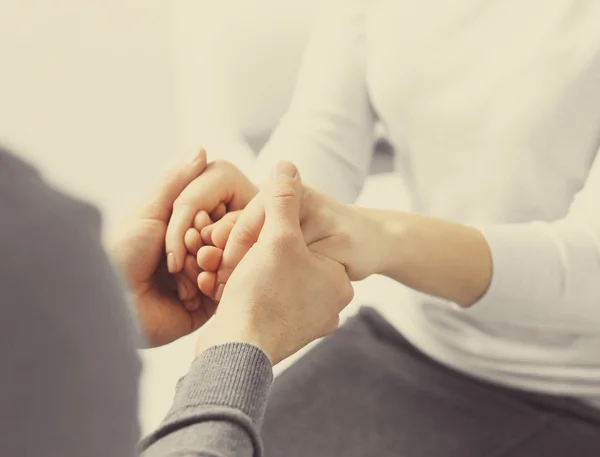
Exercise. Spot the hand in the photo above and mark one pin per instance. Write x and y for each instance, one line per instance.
(346, 234)
(220, 188)
(138, 251)
(281, 296)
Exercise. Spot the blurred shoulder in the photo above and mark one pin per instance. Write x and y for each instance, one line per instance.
(33, 210)
(45, 234)
(52, 258)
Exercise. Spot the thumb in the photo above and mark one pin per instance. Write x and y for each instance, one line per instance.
(279, 201)
(160, 203)
(244, 234)
(281, 197)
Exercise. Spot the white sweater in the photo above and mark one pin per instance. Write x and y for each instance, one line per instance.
(494, 111)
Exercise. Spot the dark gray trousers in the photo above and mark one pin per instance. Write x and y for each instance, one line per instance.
(366, 392)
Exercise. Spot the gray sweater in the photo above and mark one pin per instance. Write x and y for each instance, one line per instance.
(70, 372)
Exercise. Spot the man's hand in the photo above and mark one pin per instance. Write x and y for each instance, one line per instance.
(346, 234)
(138, 250)
(281, 296)
(220, 188)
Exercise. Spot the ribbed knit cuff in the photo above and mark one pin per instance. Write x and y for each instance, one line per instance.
(236, 375)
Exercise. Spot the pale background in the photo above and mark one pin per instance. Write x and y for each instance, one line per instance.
(104, 95)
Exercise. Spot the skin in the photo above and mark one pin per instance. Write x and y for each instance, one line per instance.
(164, 317)
(218, 188)
(252, 310)
(266, 301)
(431, 255)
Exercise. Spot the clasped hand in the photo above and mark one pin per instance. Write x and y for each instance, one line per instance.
(278, 262)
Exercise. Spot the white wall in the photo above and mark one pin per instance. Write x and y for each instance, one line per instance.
(236, 63)
(86, 93)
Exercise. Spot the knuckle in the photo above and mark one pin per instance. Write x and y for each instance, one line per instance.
(244, 235)
(220, 163)
(222, 167)
(284, 189)
(181, 203)
(201, 220)
(232, 216)
(172, 174)
(219, 171)
(285, 240)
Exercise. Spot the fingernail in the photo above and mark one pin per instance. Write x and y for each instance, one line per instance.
(181, 291)
(171, 264)
(286, 169)
(219, 293)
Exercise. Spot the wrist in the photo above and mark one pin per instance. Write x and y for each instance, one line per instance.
(434, 256)
(218, 332)
(384, 236)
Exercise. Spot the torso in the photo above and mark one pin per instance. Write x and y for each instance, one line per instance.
(494, 111)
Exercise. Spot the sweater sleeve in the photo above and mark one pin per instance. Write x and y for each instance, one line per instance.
(218, 408)
(328, 131)
(547, 273)
(70, 370)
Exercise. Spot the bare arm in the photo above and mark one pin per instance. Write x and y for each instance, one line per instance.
(543, 271)
(434, 256)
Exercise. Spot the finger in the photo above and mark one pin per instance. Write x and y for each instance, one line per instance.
(203, 312)
(282, 195)
(204, 193)
(207, 281)
(186, 279)
(201, 220)
(206, 234)
(218, 233)
(193, 303)
(186, 289)
(209, 258)
(160, 204)
(218, 213)
(191, 269)
(192, 240)
(243, 236)
(279, 202)
(164, 278)
(332, 248)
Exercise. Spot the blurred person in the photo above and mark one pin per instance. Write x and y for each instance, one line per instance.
(70, 378)
(493, 109)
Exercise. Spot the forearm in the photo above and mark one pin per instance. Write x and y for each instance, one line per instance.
(542, 272)
(218, 407)
(437, 257)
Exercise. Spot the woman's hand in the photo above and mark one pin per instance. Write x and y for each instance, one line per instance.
(266, 301)
(346, 234)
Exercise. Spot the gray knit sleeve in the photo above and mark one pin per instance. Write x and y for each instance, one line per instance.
(218, 408)
(69, 378)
